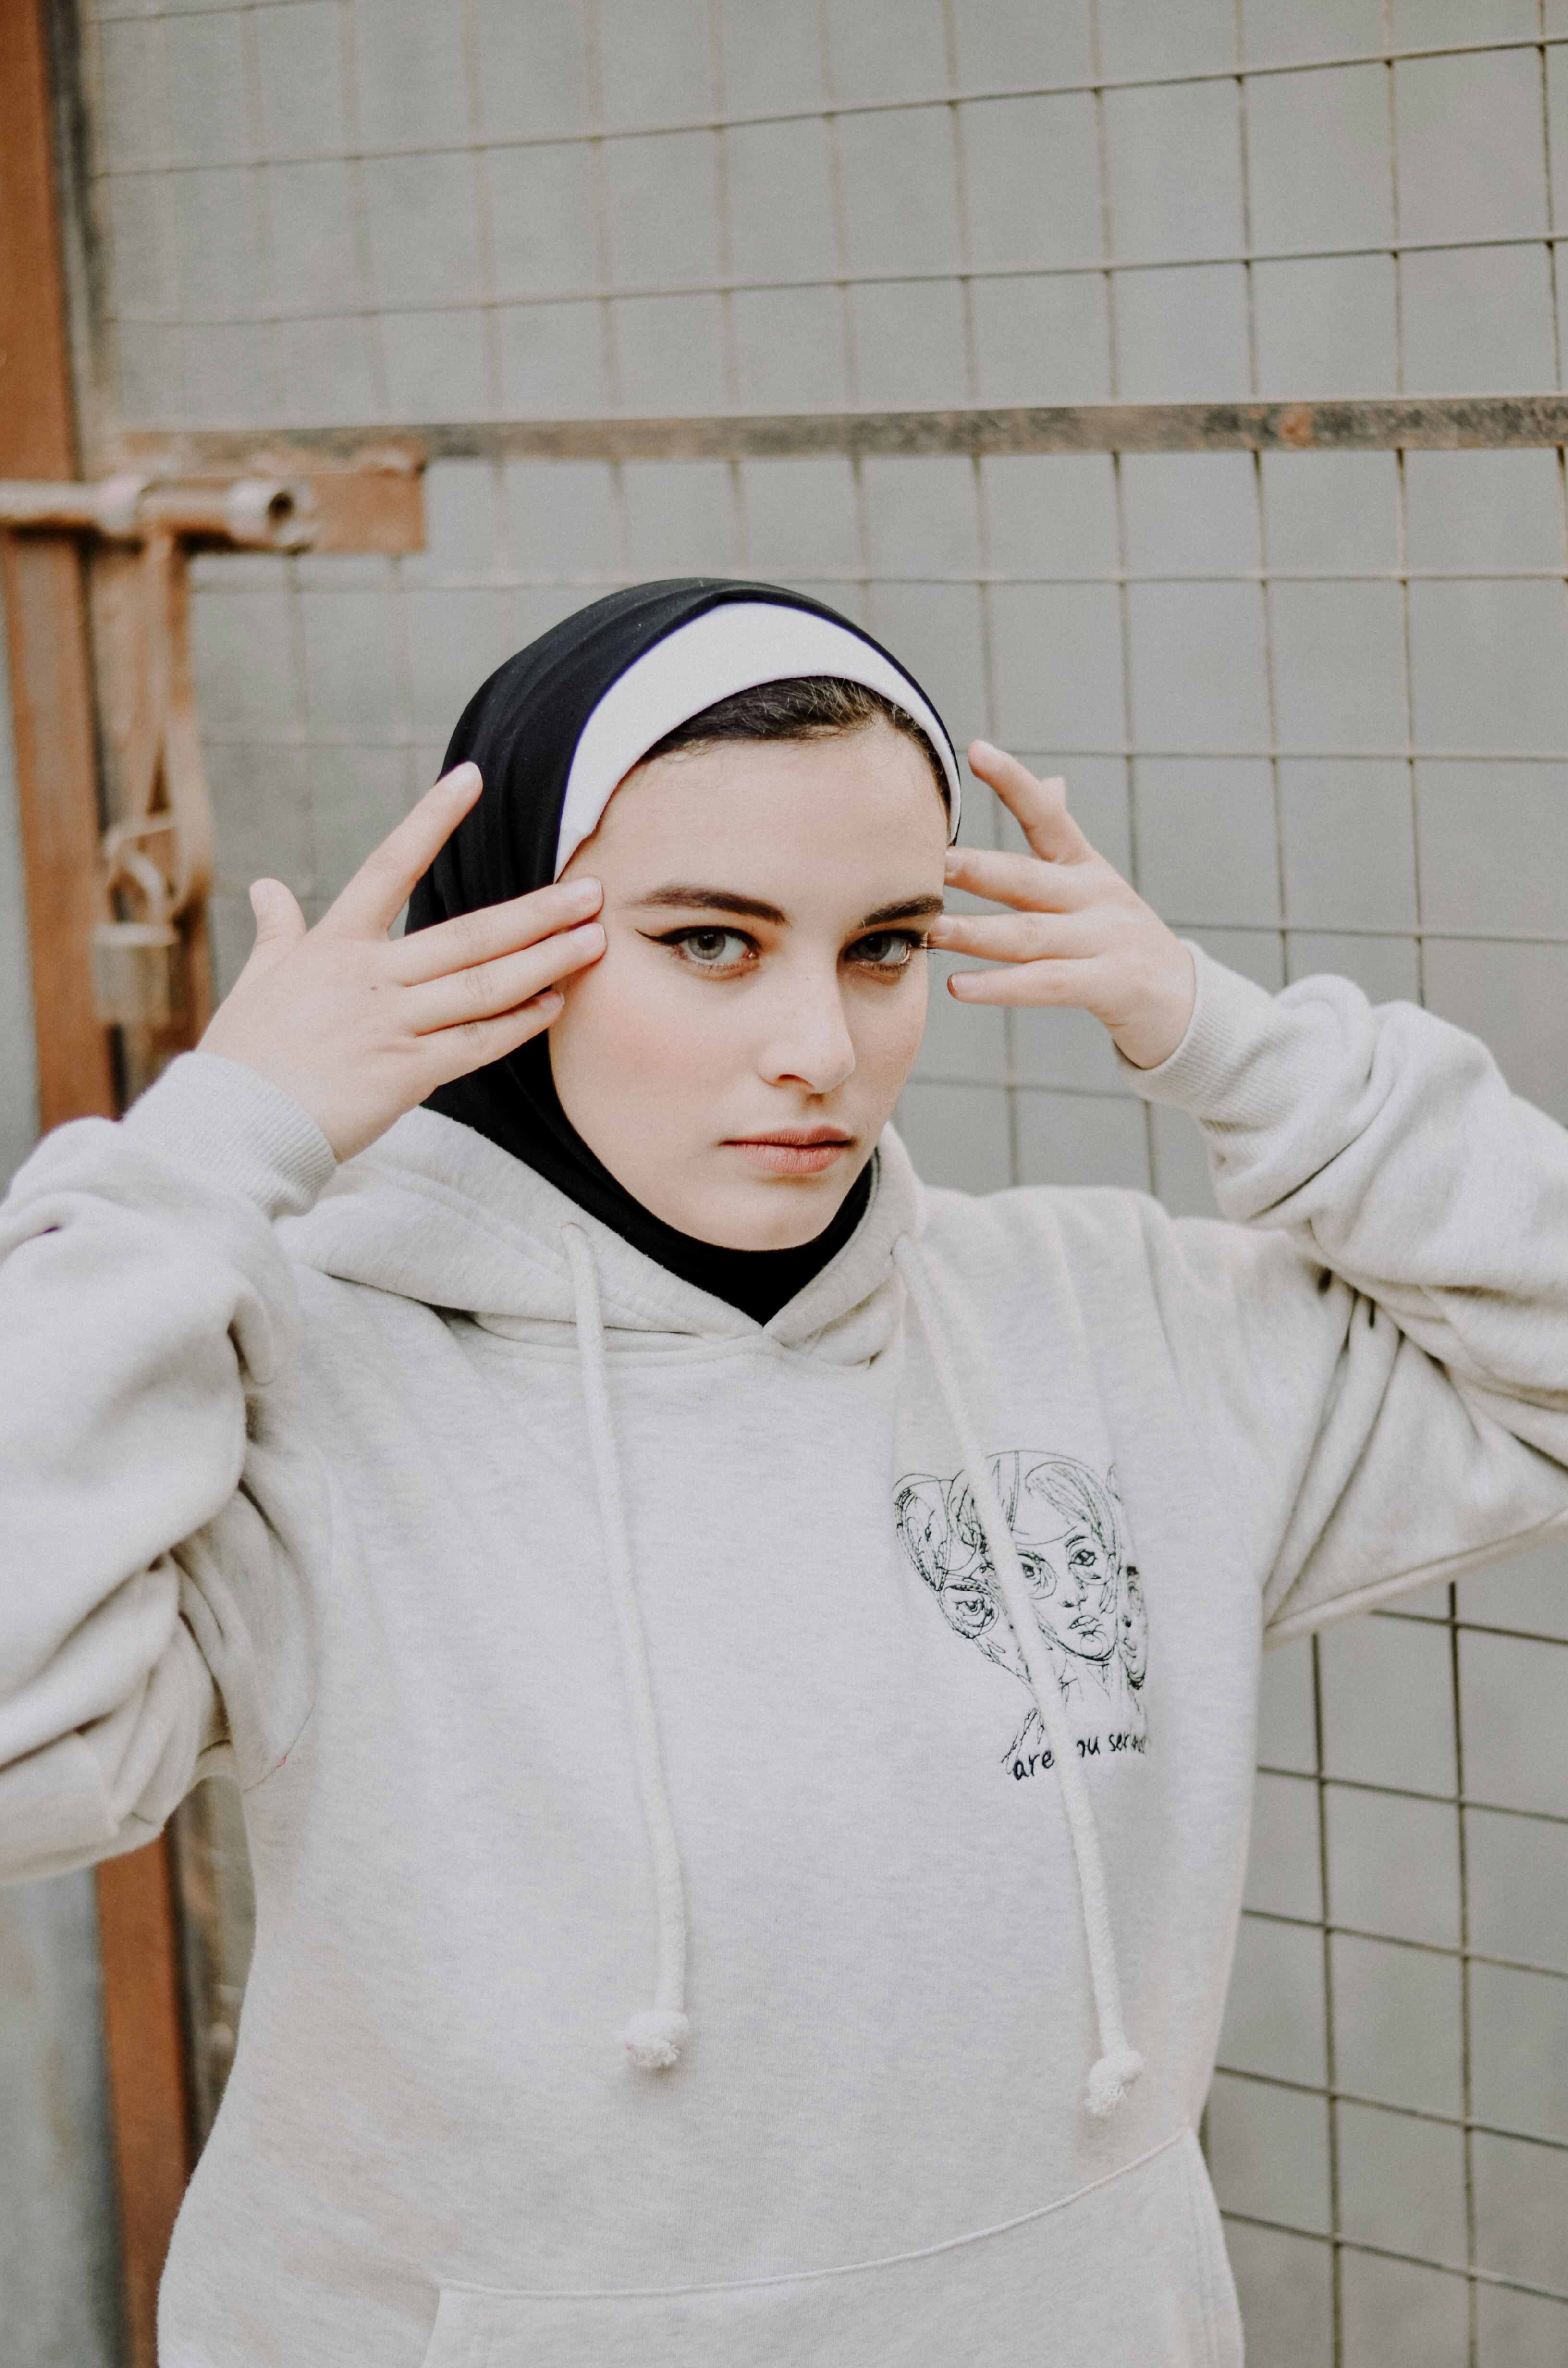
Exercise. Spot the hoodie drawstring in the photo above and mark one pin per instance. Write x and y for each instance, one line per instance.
(1119, 2065)
(655, 2036)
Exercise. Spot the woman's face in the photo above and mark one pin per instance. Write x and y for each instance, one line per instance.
(1076, 1593)
(735, 1052)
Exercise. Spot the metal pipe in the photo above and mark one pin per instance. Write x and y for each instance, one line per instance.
(254, 513)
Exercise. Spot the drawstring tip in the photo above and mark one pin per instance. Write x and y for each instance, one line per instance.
(654, 2038)
(1110, 2080)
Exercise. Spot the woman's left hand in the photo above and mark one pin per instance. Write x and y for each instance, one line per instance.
(1077, 934)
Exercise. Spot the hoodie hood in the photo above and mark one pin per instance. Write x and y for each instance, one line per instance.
(437, 1213)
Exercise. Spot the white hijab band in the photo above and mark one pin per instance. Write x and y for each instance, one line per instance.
(731, 648)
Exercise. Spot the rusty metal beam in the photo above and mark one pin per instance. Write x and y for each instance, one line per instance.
(52, 700)
(51, 707)
(255, 513)
(378, 506)
(1429, 423)
(45, 609)
(149, 2094)
(355, 489)
(36, 433)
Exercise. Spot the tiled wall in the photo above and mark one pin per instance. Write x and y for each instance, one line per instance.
(1317, 705)
(1406, 1951)
(59, 2302)
(455, 209)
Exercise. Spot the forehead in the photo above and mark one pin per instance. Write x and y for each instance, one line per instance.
(1045, 1524)
(779, 819)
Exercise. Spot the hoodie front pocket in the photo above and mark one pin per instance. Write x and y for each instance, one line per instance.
(1122, 2274)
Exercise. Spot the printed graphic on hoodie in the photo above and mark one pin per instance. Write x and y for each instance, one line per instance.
(1088, 1600)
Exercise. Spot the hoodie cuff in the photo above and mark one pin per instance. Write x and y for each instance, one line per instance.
(217, 1119)
(1232, 1017)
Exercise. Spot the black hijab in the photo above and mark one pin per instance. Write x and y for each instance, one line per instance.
(523, 729)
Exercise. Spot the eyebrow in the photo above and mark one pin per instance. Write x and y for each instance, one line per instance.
(715, 900)
(913, 908)
(686, 896)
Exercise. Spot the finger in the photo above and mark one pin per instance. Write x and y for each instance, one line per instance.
(487, 989)
(493, 930)
(1040, 807)
(1019, 937)
(453, 1051)
(1070, 983)
(1027, 881)
(381, 886)
(279, 925)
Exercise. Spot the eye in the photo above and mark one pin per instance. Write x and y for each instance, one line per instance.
(888, 950)
(710, 949)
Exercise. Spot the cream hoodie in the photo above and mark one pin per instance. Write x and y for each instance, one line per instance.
(599, 1666)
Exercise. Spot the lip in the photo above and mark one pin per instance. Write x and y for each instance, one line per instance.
(792, 1150)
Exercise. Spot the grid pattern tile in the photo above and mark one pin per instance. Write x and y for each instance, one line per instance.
(1387, 2066)
(1317, 704)
(328, 209)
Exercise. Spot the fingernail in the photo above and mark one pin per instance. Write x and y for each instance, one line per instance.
(585, 893)
(953, 859)
(984, 749)
(461, 776)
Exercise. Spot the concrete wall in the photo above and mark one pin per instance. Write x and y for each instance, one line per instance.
(59, 2305)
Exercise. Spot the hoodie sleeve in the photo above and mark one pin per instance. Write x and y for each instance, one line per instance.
(1377, 1343)
(144, 1302)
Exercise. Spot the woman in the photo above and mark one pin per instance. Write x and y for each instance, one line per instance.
(606, 1523)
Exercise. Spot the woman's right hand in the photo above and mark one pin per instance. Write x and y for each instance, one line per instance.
(360, 1027)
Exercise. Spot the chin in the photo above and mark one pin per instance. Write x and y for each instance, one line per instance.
(769, 1217)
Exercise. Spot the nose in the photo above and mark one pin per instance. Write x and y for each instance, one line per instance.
(809, 1043)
